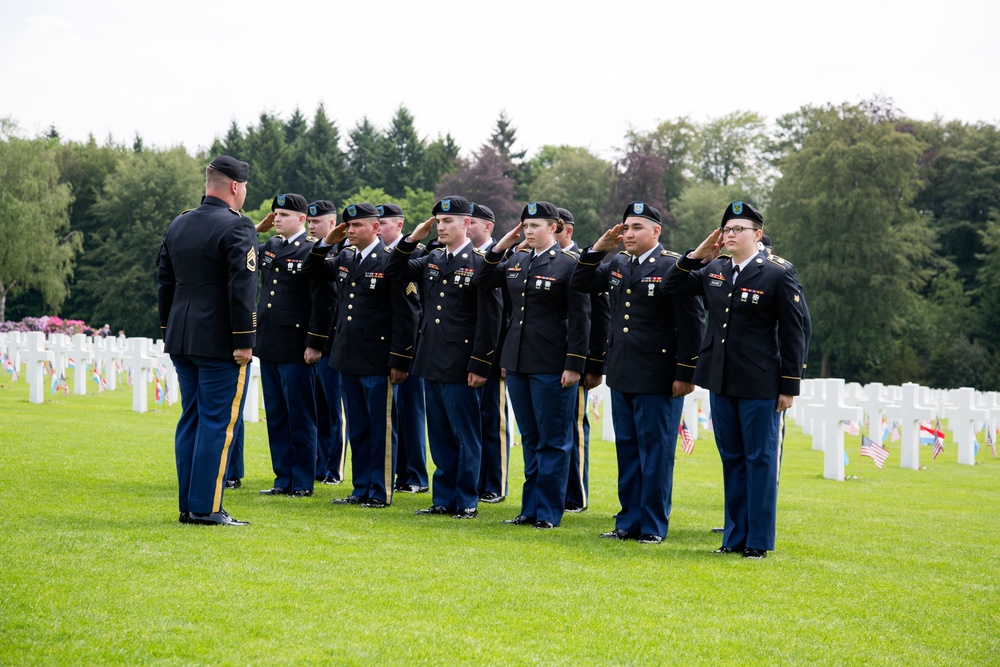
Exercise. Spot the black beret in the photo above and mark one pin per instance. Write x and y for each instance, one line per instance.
(482, 211)
(389, 211)
(454, 205)
(540, 209)
(743, 211)
(566, 216)
(321, 207)
(291, 202)
(356, 211)
(642, 210)
(231, 167)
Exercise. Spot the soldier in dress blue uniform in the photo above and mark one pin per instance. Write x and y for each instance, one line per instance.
(294, 325)
(373, 343)
(492, 486)
(331, 427)
(751, 361)
(455, 349)
(578, 487)
(408, 416)
(206, 296)
(545, 353)
(650, 361)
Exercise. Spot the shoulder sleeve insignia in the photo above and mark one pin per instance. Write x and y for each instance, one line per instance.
(670, 253)
(252, 259)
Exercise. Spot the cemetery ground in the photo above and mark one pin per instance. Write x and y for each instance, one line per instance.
(895, 567)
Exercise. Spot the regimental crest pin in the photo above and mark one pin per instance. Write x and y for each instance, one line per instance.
(352, 210)
(737, 207)
(281, 200)
(445, 204)
(638, 207)
(381, 210)
(313, 210)
(532, 209)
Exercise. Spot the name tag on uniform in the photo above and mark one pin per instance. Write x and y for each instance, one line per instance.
(716, 279)
(433, 271)
(616, 279)
(514, 271)
(268, 258)
(343, 274)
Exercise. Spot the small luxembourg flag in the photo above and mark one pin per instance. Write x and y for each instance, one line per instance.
(101, 382)
(10, 368)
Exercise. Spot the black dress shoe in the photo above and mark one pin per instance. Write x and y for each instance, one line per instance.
(491, 497)
(756, 554)
(467, 513)
(728, 550)
(412, 488)
(274, 492)
(233, 483)
(574, 507)
(374, 503)
(301, 493)
(541, 524)
(185, 517)
(220, 518)
(435, 509)
(619, 534)
(349, 500)
(520, 520)
(330, 480)
(649, 538)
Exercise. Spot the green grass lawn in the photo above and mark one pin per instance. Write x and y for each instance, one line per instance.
(895, 567)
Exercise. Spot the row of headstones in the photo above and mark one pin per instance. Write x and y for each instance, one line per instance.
(696, 415)
(825, 405)
(138, 356)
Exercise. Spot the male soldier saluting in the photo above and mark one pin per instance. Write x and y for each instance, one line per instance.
(372, 347)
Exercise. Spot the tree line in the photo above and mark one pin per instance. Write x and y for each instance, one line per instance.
(891, 222)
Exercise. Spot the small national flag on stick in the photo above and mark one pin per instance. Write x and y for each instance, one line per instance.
(158, 392)
(874, 451)
(991, 441)
(11, 368)
(63, 384)
(55, 382)
(852, 428)
(100, 381)
(938, 439)
(687, 442)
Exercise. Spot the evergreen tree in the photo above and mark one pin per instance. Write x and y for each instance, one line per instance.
(403, 154)
(364, 157)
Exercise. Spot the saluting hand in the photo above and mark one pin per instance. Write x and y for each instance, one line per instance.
(266, 224)
(610, 239)
(423, 229)
(336, 235)
(509, 238)
(710, 248)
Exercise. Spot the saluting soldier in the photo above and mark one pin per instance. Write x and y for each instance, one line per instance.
(455, 349)
(372, 347)
(545, 353)
(652, 349)
(331, 427)
(578, 487)
(206, 297)
(751, 361)
(492, 486)
(294, 326)
(408, 417)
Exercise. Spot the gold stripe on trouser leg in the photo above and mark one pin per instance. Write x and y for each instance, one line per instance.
(581, 412)
(388, 443)
(781, 434)
(343, 441)
(234, 414)
(503, 437)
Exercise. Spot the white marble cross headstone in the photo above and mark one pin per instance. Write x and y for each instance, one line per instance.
(82, 353)
(830, 419)
(251, 408)
(35, 355)
(911, 412)
(962, 414)
(139, 362)
(106, 353)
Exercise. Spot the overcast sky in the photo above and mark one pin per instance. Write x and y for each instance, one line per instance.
(578, 73)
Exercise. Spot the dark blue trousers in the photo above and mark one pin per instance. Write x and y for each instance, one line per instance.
(747, 433)
(235, 469)
(409, 424)
(369, 401)
(496, 438)
(212, 396)
(645, 441)
(456, 443)
(578, 488)
(544, 412)
(290, 406)
(331, 450)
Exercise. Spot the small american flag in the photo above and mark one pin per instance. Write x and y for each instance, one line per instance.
(687, 442)
(852, 428)
(63, 384)
(938, 439)
(874, 451)
(895, 435)
(991, 441)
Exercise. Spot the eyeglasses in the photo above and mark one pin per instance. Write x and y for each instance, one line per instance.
(735, 229)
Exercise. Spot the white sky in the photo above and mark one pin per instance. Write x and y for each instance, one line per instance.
(578, 73)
